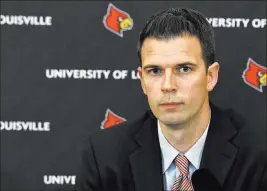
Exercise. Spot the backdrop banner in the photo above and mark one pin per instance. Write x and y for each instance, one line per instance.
(70, 68)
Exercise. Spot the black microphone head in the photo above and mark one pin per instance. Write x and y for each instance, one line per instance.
(204, 180)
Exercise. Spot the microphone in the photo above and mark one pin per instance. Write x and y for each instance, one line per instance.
(204, 180)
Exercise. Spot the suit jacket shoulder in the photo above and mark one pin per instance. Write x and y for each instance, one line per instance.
(105, 157)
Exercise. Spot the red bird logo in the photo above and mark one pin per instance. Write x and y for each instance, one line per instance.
(111, 119)
(117, 21)
(254, 75)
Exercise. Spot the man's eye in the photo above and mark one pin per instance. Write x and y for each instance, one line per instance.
(185, 69)
(154, 71)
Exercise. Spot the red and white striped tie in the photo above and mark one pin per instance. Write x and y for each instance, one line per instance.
(183, 182)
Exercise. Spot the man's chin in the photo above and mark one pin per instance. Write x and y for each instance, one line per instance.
(172, 122)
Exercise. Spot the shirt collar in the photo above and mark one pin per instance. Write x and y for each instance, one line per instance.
(169, 153)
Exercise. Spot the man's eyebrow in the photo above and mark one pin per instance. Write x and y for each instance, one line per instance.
(178, 64)
(186, 64)
(151, 66)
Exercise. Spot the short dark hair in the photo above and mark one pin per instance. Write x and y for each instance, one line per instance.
(173, 22)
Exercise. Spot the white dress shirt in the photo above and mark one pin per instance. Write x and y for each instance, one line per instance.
(168, 153)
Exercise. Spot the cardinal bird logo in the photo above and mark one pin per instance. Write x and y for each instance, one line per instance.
(255, 75)
(117, 21)
(111, 119)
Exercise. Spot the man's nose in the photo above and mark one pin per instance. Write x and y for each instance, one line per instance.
(169, 81)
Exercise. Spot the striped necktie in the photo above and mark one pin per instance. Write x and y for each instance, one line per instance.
(183, 182)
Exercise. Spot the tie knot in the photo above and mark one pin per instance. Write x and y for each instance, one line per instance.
(182, 164)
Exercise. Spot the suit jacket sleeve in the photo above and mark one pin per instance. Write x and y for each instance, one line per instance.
(88, 178)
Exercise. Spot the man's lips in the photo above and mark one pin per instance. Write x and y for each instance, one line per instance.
(170, 104)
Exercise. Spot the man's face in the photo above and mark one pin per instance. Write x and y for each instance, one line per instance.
(174, 78)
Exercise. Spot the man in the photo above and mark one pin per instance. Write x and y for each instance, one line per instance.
(185, 142)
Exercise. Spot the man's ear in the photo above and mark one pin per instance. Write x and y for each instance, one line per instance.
(139, 70)
(212, 74)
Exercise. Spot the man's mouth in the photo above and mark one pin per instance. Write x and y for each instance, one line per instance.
(170, 105)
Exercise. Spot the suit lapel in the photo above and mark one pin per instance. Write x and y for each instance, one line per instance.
(146, 160)
(219, 153)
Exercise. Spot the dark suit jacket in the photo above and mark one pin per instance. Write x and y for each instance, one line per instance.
(127, 157)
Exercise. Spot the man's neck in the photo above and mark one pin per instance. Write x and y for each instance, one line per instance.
(186, 135)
